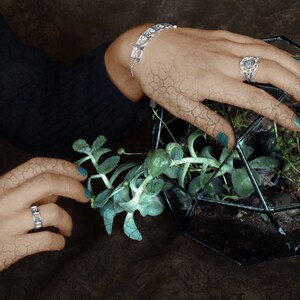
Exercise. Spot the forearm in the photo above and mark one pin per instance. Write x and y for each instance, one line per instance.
(117, 61)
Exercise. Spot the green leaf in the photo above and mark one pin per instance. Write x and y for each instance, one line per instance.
(98, 153)
(130, 207)
(99, 141)
(241, 182)
(121, 197)
(81, 146)
(225, 153)
(159, 161)
(264, 163)
(246, 149)
(102, 198)
(175, 150)
(184, 198)
(108, 214)
(130, 228)
(195, 185)
(231, 197)
(199, 182)
(209, 159)
(135, 183)
(150, 205)
(136, 171)
(172, 172)
(120, 169)
(154, 187)
(108, 165)
(146, 161)
(207, 152)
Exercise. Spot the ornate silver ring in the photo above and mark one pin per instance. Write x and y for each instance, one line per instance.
(248, 66)
(37, 218)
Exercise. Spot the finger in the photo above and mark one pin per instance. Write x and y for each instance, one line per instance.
(38, 166)
(235, 37)
(268, 71)
(220, 35)
(272, 72)
(28, 244)
(269, 53)
(50, 199)
(51, 214)
(240, 46)
(43, 186)
(203, 118)
(226, 90)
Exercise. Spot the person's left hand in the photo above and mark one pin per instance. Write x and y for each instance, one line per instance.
(38, 181)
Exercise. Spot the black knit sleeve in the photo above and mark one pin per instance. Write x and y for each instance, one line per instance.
(45, 105)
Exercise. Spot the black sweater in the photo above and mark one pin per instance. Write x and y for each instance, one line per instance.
(45, 105)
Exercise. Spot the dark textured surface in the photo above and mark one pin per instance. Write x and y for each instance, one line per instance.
(164, 265)
(68, 28)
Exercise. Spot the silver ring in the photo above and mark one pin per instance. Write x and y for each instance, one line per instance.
(248, 66)
(36, 216)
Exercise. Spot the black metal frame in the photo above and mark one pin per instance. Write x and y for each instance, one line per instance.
(183, 223)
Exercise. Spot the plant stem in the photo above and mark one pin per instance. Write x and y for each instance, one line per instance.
(103, 176)
(276, 130)
(183, 174)
(140, 189)
(82, 160)
(166, 126)
(196, 160)
(292, 165)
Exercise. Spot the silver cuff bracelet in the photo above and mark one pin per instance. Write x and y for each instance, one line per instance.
(142, 42)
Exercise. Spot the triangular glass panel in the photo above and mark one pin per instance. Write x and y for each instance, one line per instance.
(243, 236)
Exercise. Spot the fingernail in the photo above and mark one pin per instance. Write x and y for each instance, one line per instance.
(82, 171)
(222, 138)
(297, 121)
(297, 57)
(87, 193)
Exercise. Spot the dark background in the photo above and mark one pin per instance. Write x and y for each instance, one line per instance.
(165, 264)
(67, 28)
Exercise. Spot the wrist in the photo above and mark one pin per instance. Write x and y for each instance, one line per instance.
(143, 41)
(117, 61)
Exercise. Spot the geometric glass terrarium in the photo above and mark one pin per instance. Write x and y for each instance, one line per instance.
(245, 203)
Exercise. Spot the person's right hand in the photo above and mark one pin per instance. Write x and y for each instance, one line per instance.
(37, 182)
(182, 67)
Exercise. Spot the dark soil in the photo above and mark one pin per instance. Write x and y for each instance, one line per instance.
(241, 235)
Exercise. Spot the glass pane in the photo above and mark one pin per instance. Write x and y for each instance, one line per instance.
(244, 238)
(289, 221)
(179, 201)
(284, 44)
(275, 159)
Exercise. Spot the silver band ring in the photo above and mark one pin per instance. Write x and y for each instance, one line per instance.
(36, 216)
(248, 67)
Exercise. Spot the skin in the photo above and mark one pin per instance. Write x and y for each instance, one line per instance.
(37, 182)
(182, 67)
(179, 69)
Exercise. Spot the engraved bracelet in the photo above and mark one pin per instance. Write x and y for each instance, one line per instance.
(142, 42)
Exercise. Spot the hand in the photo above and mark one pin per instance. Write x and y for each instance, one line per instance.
(37, 182)
(182, 67)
